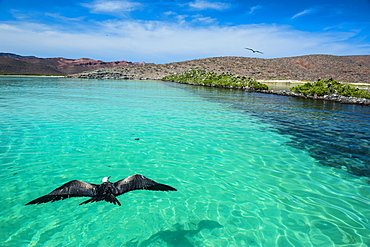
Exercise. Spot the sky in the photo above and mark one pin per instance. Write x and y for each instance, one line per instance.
(163, 31)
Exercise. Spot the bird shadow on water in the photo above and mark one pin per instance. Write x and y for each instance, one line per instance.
(177, 237)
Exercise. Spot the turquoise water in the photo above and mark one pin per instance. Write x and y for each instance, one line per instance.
(250, 169)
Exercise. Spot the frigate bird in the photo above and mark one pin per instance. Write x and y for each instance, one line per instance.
(107, 191)
(254, 51)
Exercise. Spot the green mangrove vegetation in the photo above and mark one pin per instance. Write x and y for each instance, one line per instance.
(226, 80)
(329, 87)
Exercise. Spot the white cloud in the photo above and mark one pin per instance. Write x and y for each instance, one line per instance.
(202, 5)
(168, 13)
(64, 18)
(200, 19)
(111, 6)
(163, 42)
(24, 15)
(304, 12)
(181, 19)
(254, 8)
(203, 19)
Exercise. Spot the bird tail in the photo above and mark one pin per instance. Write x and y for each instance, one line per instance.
(108, 198)
(112, 199)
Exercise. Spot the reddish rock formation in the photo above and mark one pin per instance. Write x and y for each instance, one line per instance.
(16, 64)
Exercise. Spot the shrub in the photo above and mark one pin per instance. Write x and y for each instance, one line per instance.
(329, 87)
(201, 77)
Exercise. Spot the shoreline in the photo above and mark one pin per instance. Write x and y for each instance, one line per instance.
(334, 98)
(283, 84)
(279, 87)
(59, 76)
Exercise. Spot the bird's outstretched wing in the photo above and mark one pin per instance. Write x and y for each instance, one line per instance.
(139, 182)
(254, 51)
(73, 188)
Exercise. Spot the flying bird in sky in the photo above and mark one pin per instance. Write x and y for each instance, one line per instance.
(107, 191)
(254, 51)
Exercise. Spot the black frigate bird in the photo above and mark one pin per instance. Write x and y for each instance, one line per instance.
(254, 51)
(107, 191)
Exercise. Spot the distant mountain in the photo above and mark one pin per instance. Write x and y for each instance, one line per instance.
(12, 55)
(16, 64)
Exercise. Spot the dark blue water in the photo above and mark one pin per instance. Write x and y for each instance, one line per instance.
(337, 135)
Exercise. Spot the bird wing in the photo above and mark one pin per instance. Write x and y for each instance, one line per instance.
(73, 188)
(254, 51)
(139, 182)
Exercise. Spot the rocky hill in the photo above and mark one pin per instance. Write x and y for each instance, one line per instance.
(311, 67)
(16, 64)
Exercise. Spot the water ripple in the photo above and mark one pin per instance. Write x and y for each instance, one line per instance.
(248, 167)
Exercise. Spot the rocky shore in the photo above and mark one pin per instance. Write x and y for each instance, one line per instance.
(354, 69)
(336, 98)
(104, 74)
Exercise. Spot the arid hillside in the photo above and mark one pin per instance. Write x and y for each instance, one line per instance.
(311, 67)
(17, 64)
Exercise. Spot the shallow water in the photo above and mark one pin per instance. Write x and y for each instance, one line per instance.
(250, 169)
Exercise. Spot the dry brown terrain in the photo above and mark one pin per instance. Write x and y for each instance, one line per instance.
(16, 64)
(342, 68)
(311, 67)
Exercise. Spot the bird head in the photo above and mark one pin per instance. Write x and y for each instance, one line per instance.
(105, 179)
